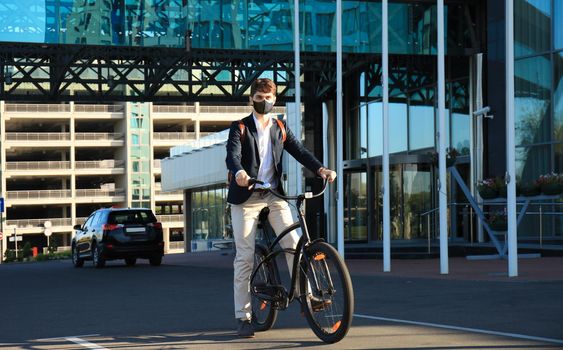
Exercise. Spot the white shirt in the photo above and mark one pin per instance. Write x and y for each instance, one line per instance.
(266, 172)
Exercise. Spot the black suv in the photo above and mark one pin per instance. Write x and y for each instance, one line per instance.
(118, 233)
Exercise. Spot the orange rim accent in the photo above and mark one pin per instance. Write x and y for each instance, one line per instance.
(263, 306)
(319, 256)
(336, 326)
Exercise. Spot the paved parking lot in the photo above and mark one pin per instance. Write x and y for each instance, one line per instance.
(187, 304)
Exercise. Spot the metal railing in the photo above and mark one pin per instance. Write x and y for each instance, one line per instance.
(95, 192)
(41, 165)
(180, 136)
(38, 194)
(170, 218)
(211, 109)
(98, 108)
(80, 220)
(22, 223)
(37, 136)
(97, 136)
(49, 108)
(464, 210)
(173, 109)
(167, 193)
(97, 164)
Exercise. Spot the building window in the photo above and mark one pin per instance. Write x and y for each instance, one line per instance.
(532, 27)
(532, 96)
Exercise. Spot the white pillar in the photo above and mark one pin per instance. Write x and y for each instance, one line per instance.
(297, 73)
(196, 122)
(442, 194)
(385, 186)
(339, 131)
(510, 144)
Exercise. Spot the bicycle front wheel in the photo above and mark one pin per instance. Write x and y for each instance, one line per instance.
(329, 301)
(264, 313)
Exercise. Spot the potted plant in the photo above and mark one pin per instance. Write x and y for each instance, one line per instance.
(551, 184)
(501, 186)
(487, 188)
(529, 189)
(498, 222)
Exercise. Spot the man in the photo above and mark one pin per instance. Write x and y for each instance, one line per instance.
(254, 150)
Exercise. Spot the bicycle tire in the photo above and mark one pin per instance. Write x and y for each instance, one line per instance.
(331, 287)
(264, 313)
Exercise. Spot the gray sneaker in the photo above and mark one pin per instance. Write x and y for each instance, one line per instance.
(245, 329)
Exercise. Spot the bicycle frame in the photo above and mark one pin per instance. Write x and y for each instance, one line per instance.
(298, 252)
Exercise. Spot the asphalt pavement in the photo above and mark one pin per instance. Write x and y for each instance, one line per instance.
(187, 304)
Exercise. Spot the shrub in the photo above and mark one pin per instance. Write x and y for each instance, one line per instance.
(26, 250)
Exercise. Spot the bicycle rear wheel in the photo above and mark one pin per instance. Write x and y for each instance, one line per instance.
(329, 301)
(264, 313)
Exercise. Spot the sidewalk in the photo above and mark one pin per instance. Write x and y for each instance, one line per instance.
(529, 269)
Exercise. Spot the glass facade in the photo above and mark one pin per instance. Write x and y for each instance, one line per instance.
(227, 24)
(538, 87)
(210, 215)
(140, 155)
(412, 122)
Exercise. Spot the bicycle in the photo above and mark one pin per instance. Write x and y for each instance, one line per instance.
(325, 287)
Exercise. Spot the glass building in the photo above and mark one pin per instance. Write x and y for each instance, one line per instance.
(473, 29)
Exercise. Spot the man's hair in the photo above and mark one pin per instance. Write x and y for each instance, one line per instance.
(263, 85)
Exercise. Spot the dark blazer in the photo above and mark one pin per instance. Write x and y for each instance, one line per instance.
(245, 156)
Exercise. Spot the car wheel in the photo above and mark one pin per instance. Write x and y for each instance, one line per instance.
(97, 259)
(76, 260)
(155, 260)
(130, 261)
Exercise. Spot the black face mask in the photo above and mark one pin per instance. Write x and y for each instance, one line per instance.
(263, 107)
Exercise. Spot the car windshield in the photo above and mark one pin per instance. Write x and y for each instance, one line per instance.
(131, 217)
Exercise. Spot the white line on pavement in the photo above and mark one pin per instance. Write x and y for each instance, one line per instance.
(68, 336)
(473, 330)
(86, 343)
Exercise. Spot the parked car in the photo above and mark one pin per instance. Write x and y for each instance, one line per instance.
(118, 233)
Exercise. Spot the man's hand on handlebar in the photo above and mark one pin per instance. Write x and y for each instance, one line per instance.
(242, 179)
(327, 174)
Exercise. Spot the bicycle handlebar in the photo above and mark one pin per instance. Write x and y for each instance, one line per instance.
(306, 195)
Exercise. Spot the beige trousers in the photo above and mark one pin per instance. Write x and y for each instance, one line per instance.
(245, 220)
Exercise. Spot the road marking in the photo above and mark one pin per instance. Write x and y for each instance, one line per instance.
(68, 336)
(473, 330)
(85, 343)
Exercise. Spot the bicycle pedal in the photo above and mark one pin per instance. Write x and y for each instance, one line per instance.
(270, 291)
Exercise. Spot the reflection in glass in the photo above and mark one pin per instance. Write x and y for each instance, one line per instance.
(375, 127)
(227, 24)
(531, 162)
(532, 26)
(208, 214)
(397, 127)
(558, 24)
(363, 131)
(396, 201)
(356, 213)
(558, 96)
(532, 97)
(460, 132)
(417, 181)
(421, 127)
